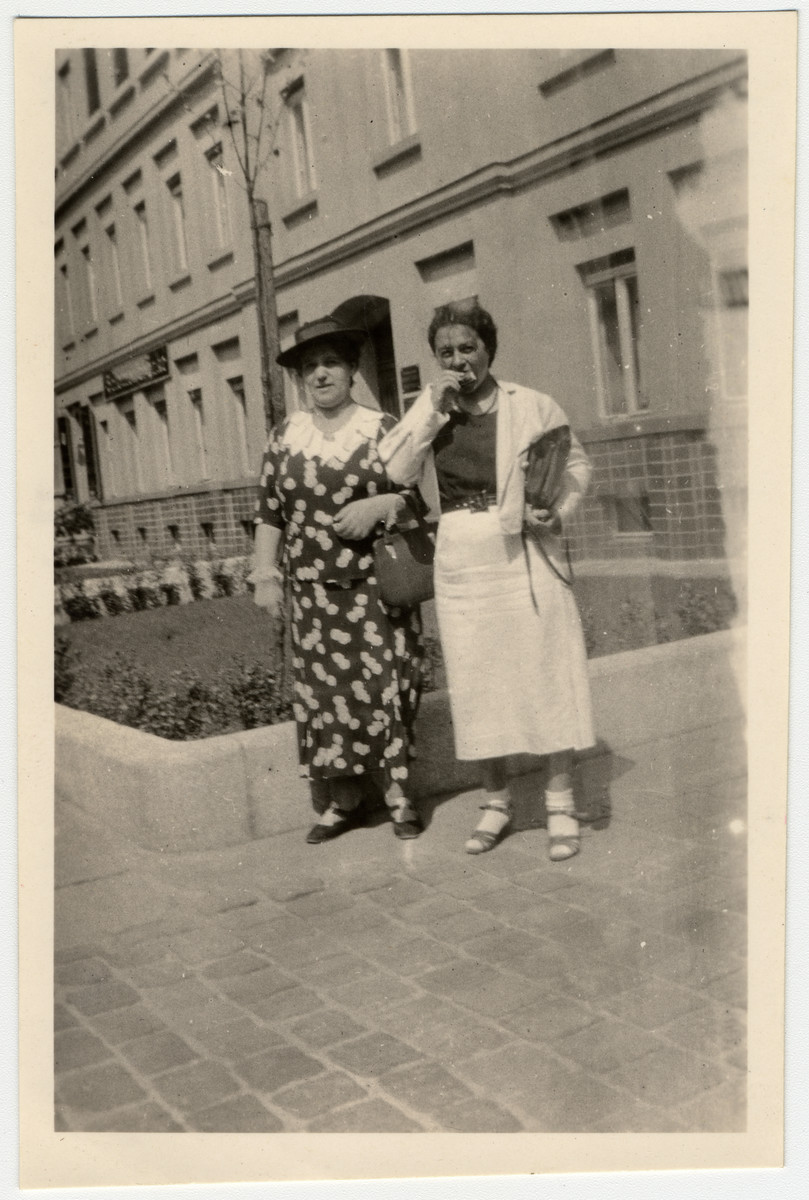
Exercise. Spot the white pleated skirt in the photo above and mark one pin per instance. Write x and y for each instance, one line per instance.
(517, 674)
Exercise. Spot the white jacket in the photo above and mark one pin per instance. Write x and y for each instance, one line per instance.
(522, 416)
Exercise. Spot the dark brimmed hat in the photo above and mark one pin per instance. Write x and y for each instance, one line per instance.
(324, 328)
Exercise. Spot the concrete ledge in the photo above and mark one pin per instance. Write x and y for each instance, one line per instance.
(226, 790)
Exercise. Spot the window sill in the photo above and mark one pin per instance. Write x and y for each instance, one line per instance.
(304, 210)
(68, 157)
(616, 428)
(182, 281)
(146, 301)
(121, 101)
(94, 129)
(117, 317)
(391, 156)
(155, 66)
(68, 346)
(89, 333)
(220, 260)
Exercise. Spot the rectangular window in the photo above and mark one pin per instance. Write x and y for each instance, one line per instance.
(143, 238)
(398, 95)
(115, 267)
(64, 108)
(65, 302)
(175, 188)
(615, 325)
(132, 453)
(594, 217)
(221, 211)
(91, 81)
(303, 163)
(236, 387)
(161, 410)
(120, 66)
(195, 396)
(91, 463)
(66, 456)
(108, 456)
(90, 276)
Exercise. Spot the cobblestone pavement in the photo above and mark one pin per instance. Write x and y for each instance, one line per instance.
(373, 985)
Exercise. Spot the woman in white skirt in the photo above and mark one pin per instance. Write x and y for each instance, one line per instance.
(510, 630)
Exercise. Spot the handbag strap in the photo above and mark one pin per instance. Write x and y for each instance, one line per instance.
(538, 541)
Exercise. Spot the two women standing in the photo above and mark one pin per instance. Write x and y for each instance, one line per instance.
(509, 627)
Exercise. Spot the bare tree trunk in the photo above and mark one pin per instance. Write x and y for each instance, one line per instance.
(272, 380)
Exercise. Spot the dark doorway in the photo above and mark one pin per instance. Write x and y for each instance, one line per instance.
(372, 313)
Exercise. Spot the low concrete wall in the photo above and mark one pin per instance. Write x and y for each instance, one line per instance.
(226, 790)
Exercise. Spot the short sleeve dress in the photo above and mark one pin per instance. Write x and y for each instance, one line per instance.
(357, 662)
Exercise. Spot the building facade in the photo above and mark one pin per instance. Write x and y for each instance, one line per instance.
(589, 199)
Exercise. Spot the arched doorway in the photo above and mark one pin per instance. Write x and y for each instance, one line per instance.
(378, 363)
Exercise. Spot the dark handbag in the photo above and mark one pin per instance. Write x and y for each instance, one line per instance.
(403, 563)
(544, 473)
(545, 467)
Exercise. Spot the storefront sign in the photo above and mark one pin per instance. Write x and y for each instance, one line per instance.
(137, 372)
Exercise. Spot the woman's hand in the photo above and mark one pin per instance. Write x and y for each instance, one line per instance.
(445, 390)
(357, 519)
(542, 520)
(268, 594)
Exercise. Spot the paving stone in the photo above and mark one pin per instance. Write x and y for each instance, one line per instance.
(197, 1086)
(426, 1087)
(551, 918)
(627, 1115)
(98, 1088)
(326, 1028)
(505, 946)
(350, 924)
(293, 1002)
(668, 1076)
(303, 885)
(328, 901)
(271, 1070)
(247, 917)
(307, 1100)
(238, 1039)
(472, 885)
(180, 999)
(427, 912)
(77, 1048)
(505, 901)
(545, 880)
(157, 1052)
(594, 981)
(124, 1024)
(314, 948)
(101, 997)
(67, 954)
(399, 894)
(414, 955)
(730, 989)
(372, 994)
(63, 1018)
(81, 972)
(481, 988)
(373, 1054)
(478, 1116)
(124, 953)
(695, 966)
(722, 1110)
(464, 926)
(258, 985)
(236, 964)
(552, 1017)
(339, 969)
(159, 973)
(240, 1114)
(710, 1031)
(371, 1116)
(269, 937)
(203, 945)
(215, 1013)
(606, 1044)
(653, 1005)
(140, 1118)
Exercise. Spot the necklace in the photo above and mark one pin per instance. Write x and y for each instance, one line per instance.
(484, 412)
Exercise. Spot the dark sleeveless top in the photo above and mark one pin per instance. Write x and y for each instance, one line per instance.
(465, 456)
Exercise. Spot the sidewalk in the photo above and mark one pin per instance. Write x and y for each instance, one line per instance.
(376, 986)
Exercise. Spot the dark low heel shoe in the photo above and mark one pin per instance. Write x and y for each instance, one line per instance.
(325, 833)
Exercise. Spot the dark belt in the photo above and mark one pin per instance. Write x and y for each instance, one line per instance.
(478, 502)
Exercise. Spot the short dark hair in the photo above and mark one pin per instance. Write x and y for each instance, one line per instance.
(465, 312)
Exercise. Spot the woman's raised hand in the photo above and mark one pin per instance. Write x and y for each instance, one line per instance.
(444, 391)
(357, 519)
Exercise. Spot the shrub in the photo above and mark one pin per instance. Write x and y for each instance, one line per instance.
(64, 667)
(255, 692)
(705, 606)
(78, 605)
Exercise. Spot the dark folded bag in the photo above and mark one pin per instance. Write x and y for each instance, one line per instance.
(403, 563)
(545, 468)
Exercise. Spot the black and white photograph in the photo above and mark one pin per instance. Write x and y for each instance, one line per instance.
(402, 542)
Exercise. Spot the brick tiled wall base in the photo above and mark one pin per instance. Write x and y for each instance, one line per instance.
(197, 524)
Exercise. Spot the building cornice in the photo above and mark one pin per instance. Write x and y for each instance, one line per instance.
(677, 105)
(106, 161)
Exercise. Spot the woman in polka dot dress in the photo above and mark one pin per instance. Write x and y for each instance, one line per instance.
(357, 662)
